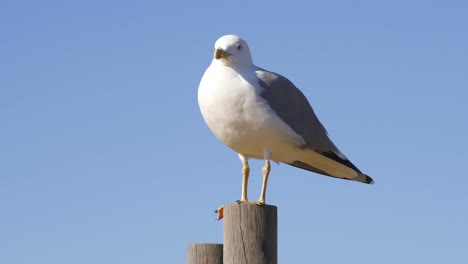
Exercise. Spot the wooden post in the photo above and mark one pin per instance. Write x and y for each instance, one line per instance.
(205, 254)
(250, 234)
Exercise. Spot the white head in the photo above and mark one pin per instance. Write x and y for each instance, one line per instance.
(231, 50)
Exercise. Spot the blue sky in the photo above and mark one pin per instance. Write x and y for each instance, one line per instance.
(105, 158)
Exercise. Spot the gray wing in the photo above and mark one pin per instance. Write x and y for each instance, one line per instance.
(292, 107)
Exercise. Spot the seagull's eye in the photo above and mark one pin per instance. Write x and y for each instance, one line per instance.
(239, 47)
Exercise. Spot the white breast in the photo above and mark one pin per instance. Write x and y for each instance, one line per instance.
(233, 109)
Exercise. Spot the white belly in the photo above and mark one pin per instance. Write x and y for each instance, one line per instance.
(241, 119)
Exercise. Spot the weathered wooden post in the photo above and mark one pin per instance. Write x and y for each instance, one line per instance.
(250, 236)
(205, 254)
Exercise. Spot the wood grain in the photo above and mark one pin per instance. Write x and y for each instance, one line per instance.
(205, 254)
(250, 234)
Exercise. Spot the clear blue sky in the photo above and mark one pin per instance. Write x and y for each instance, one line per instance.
(105, 158)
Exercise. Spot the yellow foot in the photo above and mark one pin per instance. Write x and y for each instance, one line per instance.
(220, 210)
(259, 202)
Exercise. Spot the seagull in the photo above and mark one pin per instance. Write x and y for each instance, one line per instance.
(262, 115)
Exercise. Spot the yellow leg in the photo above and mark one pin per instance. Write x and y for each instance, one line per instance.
(266, 172)
(245, 180)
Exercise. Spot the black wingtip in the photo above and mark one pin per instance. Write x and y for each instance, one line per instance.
(361, 178)
(369, 180)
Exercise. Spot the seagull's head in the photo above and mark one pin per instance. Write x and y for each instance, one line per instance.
(231, 50)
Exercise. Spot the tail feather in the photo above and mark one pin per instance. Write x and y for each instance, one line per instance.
(330, 164)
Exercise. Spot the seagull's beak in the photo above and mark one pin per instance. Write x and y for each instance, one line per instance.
(221, 54)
